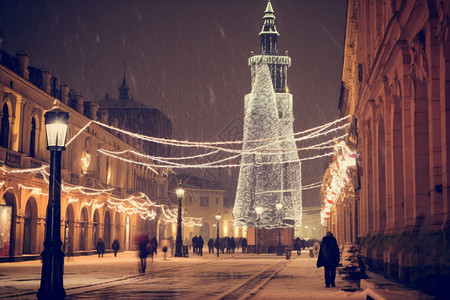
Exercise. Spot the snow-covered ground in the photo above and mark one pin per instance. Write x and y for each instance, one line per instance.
(206, 277)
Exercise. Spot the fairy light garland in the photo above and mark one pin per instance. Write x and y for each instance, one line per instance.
(344, 159)
(142, 206)
(34, 190)
(208, 144)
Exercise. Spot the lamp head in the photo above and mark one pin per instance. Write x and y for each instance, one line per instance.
(56, 123)
(180, 192)
(218, 217)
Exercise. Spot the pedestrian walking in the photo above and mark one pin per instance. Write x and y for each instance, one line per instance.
(200, 243)
(154, 244)
(195, 244)
(143, 244)
(115, 246)
(100, 247)
(316, 248)
(164, 246)
(69, 248)
(211, 246)
(218, 245)
(232, 244)
(329, 258)
(297, 246)
(172, 245)
(244, 245)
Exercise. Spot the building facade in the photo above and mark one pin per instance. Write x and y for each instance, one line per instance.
(396, 85)
(100, 194)
(202, 201)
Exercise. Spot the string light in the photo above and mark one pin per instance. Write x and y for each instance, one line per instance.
(207, 144)
(344, 158)
(34, 190)
(137, 206)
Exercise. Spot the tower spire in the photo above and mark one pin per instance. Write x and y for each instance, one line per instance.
(123, 89)
(269, 33)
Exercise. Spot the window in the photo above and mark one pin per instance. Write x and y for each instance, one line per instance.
(32, 137)
(217, 200)
(4, 133)
(204, 201)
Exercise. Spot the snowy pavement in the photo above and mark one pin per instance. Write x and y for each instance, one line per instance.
(195, 277)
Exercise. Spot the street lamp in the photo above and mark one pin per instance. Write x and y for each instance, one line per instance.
(259, 210)
(56, 123)
(179, 241)
(279, 206)
(218, 217)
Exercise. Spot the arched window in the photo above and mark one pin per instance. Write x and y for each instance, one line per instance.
(33, 137)
(4, 133)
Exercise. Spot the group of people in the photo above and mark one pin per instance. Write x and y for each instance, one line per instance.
(227, 245)
(100, 247)
(328, 251)
(197, 245)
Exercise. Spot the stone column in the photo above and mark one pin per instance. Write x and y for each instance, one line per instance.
(407, 137)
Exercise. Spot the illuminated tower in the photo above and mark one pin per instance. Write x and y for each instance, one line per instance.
(270, 171)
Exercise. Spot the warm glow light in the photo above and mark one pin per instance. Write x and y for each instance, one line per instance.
(85, 161)
(225, 229)
(174, 229)
(259, 210)
(56, 123)
(279, 206)
(218, 217)
(180, 192)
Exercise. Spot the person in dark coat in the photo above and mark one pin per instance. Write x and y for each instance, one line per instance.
(115, 246)
(100, 247)
(200, 246)
(154, 244)
(232, 244)
(244, 245)
(194, 244)
(329, 258)
(218, 244)
(297, 246)
(211, 246)
(143, 245)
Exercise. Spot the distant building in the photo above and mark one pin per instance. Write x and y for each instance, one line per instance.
(203, 200)
(395, 82)
(136, 117)
(88, 212)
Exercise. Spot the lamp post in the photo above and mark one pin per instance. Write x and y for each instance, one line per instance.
(259, 210)
(279, 206)
(218, 217)
(56, 123)
(179, 241)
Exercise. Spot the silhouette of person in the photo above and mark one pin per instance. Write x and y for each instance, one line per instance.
(329, 258)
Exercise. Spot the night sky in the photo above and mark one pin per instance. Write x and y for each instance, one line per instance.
(188, 58)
